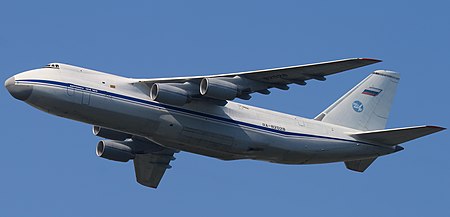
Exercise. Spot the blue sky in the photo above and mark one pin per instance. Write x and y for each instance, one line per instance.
(49, 166)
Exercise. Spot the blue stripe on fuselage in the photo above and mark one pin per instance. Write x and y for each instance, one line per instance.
(94, 90)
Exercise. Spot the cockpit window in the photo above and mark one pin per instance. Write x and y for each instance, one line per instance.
(52, 66)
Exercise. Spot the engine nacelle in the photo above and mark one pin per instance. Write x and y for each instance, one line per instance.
(109, 133)
(113, 150)
(124, 151)
(218, 89)
(168, 93)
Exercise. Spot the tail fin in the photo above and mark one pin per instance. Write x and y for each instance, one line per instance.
(367, 105)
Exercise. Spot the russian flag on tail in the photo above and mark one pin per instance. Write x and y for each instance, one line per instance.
(372, 91)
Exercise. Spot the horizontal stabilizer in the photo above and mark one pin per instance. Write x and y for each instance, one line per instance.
(359, 165)
(396, 136)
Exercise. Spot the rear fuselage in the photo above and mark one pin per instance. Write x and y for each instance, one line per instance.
(233, 131)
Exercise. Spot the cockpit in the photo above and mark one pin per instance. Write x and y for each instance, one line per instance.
(65, 68)
(52, 66)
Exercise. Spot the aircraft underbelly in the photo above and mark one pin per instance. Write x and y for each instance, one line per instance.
(193, 133)
(198, 136)
(228, 142)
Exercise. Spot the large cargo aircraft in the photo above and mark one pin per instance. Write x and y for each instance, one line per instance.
(148, 120)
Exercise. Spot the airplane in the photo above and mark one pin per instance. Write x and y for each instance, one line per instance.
(149, 120)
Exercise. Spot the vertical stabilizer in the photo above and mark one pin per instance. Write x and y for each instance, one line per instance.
(367, 105)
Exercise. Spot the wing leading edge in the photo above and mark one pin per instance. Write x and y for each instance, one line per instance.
(242, 84)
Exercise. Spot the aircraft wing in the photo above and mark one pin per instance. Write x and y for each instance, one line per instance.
(301, 73)
(260, 81)
(150, 167)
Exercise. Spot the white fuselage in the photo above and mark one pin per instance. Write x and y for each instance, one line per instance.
(233, 131)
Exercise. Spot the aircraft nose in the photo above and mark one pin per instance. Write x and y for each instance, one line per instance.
(20, 92)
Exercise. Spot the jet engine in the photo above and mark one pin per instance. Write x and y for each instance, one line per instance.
(109, 133)
(114, 150)
(169, 93)
(124, 151)
(218, 89)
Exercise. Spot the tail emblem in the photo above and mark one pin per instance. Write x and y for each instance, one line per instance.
(372, 91)
(357, 106)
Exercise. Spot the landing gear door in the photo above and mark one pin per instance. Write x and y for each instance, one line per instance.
(70, 90)
(86, 97)
(74, 94)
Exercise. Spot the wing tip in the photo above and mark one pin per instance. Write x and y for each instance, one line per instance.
(437, 128)
(148, 183)
(371, 60)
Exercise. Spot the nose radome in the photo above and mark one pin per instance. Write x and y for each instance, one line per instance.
(20, 92)
(10, 81)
